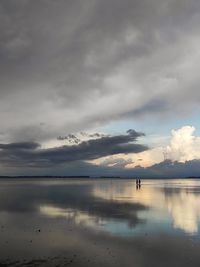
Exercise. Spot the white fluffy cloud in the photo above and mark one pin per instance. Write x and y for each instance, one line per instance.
(184, 145)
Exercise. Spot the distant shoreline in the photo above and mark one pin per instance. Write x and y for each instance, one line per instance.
(91, 177)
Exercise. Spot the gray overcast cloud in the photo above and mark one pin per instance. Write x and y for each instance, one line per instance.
(70, 65)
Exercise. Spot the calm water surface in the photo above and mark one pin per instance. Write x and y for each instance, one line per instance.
(99, 222)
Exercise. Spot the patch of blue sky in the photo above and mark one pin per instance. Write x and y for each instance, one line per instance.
(152, 127)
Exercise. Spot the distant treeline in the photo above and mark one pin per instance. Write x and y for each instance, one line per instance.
(93, 177)
(65, 176)
(194, 177)
(46, 176)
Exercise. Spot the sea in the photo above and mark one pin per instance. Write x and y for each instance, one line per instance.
(99, 222)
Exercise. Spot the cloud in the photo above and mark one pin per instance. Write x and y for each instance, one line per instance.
(184, 145)
(74, 65)
(170, 169)
(71, 138)
(29, 154)
(164, 169)
(118, 155)
(19, 146)
(116, 162)
(76, 139)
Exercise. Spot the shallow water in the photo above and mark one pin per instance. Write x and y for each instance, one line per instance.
(99, 222)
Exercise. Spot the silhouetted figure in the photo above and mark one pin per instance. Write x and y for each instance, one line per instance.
(138, 184)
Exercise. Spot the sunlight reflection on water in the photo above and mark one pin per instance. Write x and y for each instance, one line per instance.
(41, 217)
(170, 204)
(176, 200)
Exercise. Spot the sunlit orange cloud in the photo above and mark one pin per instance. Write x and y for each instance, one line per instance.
(143, 159)
(147, 158)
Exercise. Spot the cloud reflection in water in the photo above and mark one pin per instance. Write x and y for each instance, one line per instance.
(47, 219)
(180, 199)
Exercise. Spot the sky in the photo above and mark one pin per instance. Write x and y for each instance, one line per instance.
(100, 87)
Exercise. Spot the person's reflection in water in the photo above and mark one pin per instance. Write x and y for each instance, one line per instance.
(138, 184)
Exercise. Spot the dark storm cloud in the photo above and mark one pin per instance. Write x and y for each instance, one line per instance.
(66, 65)
(19, 146)
(168, 168)
(165, 169)
(27, 154)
